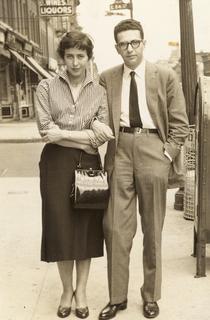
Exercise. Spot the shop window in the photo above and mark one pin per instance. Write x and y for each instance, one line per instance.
(6, 112)
(25, 112)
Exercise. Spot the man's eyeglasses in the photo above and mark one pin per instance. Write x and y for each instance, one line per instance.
(134, 44)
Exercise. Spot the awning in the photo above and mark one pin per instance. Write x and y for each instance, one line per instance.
(4, 53)
(38, 68)
(19, 57)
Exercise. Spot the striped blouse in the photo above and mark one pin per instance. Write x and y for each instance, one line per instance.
(55, 105)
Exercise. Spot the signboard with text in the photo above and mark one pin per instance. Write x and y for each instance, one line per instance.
(55, 8)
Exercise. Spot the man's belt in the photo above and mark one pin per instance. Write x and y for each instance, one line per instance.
(137, 130)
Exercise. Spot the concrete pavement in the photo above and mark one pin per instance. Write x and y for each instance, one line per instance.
(30, 289)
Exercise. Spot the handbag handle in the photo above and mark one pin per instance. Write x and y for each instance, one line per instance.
(79, 166)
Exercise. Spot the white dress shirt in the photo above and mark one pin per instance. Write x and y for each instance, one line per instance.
(146, 118)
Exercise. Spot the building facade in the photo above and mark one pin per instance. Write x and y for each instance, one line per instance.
(28, 43)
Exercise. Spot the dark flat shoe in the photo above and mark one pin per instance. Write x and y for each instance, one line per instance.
(111, 310)
(82, 313)
(150, 309)
(63, 312)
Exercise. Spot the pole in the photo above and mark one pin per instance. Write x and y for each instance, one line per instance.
(131, 8)
(73, 17)
(189, 73)
(188, 60)
(47, 40)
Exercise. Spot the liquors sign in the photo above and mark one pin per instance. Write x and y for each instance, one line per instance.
(55, 8)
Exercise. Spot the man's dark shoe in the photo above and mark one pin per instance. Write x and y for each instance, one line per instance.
(150, 309)
(111, 310)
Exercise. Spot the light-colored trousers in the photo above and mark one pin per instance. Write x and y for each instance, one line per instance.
(140, 169)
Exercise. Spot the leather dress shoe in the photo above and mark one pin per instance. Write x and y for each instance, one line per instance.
(82, 313)
(150, 309)
(63, 312)
(111, 310)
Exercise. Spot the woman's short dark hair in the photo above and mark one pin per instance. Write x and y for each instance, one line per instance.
(75, 39)
(128, 24)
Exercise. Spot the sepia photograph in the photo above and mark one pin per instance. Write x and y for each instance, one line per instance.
(105, 159)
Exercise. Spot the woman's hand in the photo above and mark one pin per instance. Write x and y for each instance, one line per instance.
(102, 131)
(52, 135)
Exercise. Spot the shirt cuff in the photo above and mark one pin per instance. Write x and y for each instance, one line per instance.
(93, 140)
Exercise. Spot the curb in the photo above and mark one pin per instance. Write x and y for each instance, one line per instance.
(23, 140)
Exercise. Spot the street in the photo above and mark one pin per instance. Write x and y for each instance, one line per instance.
(20, 159)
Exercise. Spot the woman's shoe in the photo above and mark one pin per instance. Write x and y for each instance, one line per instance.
(82, 313)
(63, 312)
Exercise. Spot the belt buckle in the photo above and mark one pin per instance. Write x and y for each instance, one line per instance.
(138, 130)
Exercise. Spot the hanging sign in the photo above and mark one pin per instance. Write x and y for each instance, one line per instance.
(55, 8)
(119, 5)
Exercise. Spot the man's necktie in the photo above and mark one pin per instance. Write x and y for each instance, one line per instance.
(134, 115)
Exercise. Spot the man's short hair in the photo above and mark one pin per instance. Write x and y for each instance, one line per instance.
(128, 24)
(75, 39)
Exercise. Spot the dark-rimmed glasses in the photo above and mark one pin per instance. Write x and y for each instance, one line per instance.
(134, 44)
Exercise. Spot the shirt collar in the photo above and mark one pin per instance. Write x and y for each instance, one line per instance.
(140, 70)
(88, 78)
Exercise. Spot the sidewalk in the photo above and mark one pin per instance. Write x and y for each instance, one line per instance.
(14, 132)
(30, 289)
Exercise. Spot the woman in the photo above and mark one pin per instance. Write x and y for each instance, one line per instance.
(66, 106)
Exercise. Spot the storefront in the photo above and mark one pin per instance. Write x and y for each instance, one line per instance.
(19, 76)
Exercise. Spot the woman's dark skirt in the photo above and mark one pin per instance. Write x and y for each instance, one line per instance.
(67, 234)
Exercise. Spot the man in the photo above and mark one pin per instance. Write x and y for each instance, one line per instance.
(148, 118)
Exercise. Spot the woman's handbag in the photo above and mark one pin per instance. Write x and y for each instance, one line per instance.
(90, 190)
